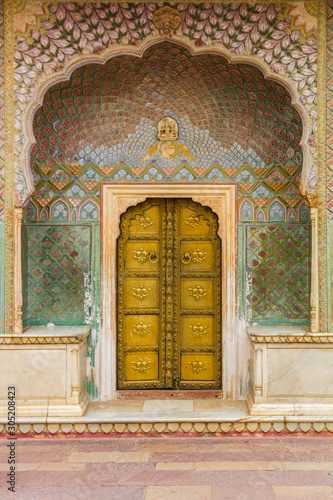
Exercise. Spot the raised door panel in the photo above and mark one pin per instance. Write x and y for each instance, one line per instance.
(141, 308)
(198, 317)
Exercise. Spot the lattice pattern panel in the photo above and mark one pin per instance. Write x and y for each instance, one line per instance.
(56, 266)
(278, 270)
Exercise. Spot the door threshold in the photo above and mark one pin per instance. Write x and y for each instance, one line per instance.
(169, 394)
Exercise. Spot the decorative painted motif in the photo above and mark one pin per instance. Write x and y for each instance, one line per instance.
(55, 264)
(278, 264)
(141, 292)
(198, 292)
(198, 330)
(141, 329)
(167, 20)
(197, 366)
(282, 38)
(84, 137)
(271, 32)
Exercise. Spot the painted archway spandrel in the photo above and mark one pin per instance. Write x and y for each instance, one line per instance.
(282, 37)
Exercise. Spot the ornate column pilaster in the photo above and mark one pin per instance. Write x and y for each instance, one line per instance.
(18, 327)
(314, 271)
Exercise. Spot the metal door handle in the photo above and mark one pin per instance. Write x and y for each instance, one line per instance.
(153, 258)
(187, 257)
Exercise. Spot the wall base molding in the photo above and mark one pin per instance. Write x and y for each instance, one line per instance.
(274, 426)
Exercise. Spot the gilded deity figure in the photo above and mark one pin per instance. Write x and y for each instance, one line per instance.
(167, 129)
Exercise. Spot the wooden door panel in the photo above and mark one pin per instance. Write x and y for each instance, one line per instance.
(197, 330)
(141, 308)
(146, 222)
(198, 317)
(192, 223)
(196, 294)
(141, 329)
(142, 255)
(197, 256)
(141, 293)
(141, 366)
(198, 368)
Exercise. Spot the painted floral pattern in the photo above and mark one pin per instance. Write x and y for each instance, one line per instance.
(259, 29)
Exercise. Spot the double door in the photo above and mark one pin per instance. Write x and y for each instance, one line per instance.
(169, 297)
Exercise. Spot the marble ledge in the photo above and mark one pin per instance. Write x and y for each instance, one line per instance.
(287, 334)
(167, 418)
(47, 335)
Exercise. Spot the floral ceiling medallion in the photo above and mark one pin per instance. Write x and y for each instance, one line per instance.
(167, 20)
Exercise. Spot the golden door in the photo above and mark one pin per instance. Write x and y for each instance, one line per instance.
(169, 297)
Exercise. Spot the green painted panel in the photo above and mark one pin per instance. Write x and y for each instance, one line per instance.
(57, 272)
(278, 273)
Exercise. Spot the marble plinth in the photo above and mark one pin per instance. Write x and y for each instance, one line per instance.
(291, 372)
(47, 367)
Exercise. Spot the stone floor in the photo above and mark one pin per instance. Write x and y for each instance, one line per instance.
(205, 468)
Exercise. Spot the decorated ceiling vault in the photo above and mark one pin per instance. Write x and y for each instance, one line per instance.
(101, 125)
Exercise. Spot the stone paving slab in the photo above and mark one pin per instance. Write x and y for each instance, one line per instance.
(282, 468)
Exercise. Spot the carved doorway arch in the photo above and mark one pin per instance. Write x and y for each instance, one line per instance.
(117, 198)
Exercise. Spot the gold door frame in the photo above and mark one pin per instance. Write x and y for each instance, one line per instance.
(116, 198)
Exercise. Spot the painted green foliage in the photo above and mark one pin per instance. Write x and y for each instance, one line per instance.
(278, 268)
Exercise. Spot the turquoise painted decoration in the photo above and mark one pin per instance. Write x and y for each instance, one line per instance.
(43, 215)
(247, 211)
(276, 212)
(304, 213)
(89, 211)
(31, 211)
(292, 215)
(260, 216)
(59, 211)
